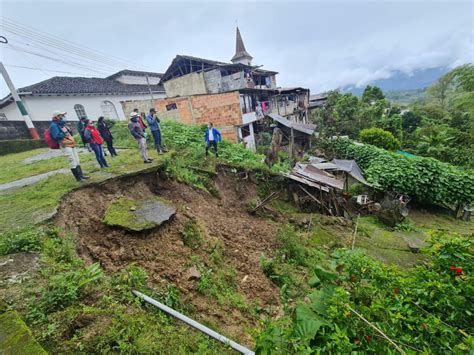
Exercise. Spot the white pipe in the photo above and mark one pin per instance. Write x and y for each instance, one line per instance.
(195, 324)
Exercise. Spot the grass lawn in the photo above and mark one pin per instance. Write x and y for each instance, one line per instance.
(34, 203)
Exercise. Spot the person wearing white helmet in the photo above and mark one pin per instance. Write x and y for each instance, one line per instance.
(140, 136)
(62, 134)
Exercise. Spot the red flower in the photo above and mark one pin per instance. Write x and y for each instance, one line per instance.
(396, 290)
(368, 338)
(458, 270)
(452, 267)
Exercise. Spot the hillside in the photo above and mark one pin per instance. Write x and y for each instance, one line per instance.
(401, 81)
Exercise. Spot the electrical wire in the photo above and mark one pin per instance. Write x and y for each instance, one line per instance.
(51, 40)
(63, 45)
(78, 65)
(42, 69)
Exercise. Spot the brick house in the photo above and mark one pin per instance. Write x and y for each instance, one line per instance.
(234, 96)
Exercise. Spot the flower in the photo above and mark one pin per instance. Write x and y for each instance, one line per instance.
(452, 267)
(458, 270)
(368, 338)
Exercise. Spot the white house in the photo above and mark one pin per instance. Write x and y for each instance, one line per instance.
(80, 97)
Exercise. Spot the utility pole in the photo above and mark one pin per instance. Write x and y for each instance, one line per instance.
(151, 92)
(29, 124)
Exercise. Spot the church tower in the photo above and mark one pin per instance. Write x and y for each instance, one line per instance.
(241, 55)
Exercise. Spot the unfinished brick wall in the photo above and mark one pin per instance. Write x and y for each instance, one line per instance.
(221, 109)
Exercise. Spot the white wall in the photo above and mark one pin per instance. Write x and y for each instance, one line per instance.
(133, 79)
(40, 108)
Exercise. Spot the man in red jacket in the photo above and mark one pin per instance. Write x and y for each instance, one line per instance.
(92, 136)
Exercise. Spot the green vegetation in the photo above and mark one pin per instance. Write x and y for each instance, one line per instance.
(380, 138)
(20, 240)
(441, 126)
(424, 179)
(73, 306)
(422, 309)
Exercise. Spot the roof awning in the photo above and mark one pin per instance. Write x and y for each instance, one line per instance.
(300, 127)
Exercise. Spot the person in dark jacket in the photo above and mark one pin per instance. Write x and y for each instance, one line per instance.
(155, 128)
(107, 135)
(63, 136)
(92, 136)
(139, 134)
(212, 136)
(80, 129)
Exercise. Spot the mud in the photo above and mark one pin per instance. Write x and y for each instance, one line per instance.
(162, 253)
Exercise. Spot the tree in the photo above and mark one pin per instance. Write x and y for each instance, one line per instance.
(372, 94)
(380, 138)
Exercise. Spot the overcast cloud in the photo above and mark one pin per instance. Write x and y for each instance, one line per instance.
(319, 45)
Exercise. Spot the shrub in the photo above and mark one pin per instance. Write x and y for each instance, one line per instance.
(425, 309)
(380, 138)
(20, 240)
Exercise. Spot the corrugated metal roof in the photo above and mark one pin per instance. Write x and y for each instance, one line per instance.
(304, 128)
(351, 167)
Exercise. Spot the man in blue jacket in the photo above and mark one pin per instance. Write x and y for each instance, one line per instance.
(63, 136)
(154, 124)
(212, 137)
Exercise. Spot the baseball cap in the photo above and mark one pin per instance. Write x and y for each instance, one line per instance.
(134, 114)
(57, 113)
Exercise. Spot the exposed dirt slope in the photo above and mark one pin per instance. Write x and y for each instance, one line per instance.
(161, 252)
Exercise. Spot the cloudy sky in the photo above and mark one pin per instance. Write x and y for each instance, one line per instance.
(316, 44)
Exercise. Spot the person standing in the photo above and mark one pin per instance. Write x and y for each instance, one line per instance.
(141, 116)
(80, 129)
(92, 136)
(107, 135)
(62, 134)
(212, 136)
(139, 134)
(154, 124)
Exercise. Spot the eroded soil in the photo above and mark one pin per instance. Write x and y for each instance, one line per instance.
(162, 253)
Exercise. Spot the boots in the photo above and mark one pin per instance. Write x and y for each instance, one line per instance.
(81, 175)
(75, 172)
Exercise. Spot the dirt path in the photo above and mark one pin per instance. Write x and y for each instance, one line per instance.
(162, 253)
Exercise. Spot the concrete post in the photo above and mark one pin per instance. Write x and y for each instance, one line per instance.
(29, 124)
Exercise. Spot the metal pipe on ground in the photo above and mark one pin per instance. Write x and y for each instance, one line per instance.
(194, 324)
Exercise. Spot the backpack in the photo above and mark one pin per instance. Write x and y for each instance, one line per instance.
(52, 144)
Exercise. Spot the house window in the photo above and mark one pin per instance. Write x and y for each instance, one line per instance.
(170, 107)
(80, 111)
(108, 110)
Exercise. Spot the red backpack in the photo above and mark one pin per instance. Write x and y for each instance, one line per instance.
(52, 144)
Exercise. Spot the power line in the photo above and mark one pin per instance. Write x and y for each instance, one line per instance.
(19, 49)
(42, 69)
(59, 42)
(64, 54)
(37, 36)
(77, 55)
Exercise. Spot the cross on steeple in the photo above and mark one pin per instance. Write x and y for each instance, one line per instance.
(241, 55)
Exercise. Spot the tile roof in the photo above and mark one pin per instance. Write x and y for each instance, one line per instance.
(65, 85)
(74, 85)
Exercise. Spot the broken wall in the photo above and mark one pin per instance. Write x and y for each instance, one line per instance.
(190, 84)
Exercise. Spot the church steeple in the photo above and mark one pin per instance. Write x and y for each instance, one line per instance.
(241, 55)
